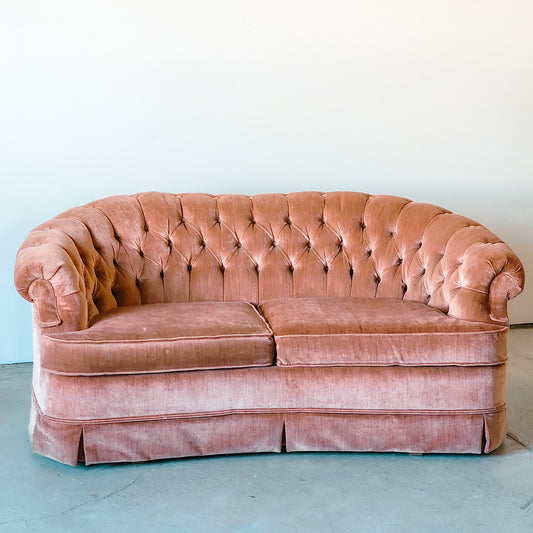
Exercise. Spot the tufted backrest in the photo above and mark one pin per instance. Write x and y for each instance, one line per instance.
(155, 247)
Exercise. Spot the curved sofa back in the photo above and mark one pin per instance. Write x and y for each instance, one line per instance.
(156, 247)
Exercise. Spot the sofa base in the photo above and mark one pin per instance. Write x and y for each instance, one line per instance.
(145, 440)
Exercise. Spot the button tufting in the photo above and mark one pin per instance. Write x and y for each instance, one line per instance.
(326, 269)
(222, 268)
(308, 245)
(378, 278)
(253, 221)
(273, 244)
(146, 228)
(351, 272)
(202, 244)
(238, 244)
(115, 262)
(256, 268)
(363, 225)
(117, 238)
(189, 267)
(288, 221)
(169, 243)
(141, 253)
(369, 253)
(291, 268)
(162, 274)
(419, 245)
(399, 261)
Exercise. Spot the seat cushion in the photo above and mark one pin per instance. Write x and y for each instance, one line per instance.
(378, 331)
(161, 338)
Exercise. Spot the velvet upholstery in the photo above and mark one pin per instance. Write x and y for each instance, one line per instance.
(271, 389)
(159, 248)
(163, 338)
(378, 331)
(175, 325)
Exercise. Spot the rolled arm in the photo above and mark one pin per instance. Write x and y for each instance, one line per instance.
(49, 272)
(487, 276)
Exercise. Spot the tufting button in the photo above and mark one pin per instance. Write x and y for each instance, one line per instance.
(351, 272)
(141, 253)
(363, 225)
(399, 261)
(222, 268)
(273, 244)
(238, 244)
(291, 268)
(256, 268)
(202, 243)
(423, 271)
(162, 274)
(369, 253)
(326, 269)
(146, 228)
(288, 221)
(217, 220)
(378, 278)
(189, 267)
(117, 238)
(115, 262)
(169, 243)
(308, 245)
(419, 245)
(253, 221)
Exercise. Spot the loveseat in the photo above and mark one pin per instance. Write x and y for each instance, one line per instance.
(173, 325)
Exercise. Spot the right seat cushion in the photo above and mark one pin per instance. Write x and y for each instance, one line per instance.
(378, 332)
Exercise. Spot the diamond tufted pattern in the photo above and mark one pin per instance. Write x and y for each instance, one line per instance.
(157, 248)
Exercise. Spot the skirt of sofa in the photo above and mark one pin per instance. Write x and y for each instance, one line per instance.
(145, 440)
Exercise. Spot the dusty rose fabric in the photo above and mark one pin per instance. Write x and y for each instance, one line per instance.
(157, 248)
(185, 437)
(163, 337)
(423, 433)
(272, 389)
(88, 270)
(115, 441)
(378, 331)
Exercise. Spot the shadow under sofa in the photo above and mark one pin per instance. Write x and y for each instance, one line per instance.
(180, 325)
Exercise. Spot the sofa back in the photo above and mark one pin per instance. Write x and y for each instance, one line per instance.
(155, 247)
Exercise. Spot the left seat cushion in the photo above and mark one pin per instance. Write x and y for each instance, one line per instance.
(162, 338)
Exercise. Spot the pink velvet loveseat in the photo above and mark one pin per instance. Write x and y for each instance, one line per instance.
(179, 325)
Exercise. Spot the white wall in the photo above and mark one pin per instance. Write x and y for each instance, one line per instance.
(428, 100)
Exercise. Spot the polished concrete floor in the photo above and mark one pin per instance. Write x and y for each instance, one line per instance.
(307, 492)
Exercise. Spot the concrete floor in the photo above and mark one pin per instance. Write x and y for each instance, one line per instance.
(304, 492)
